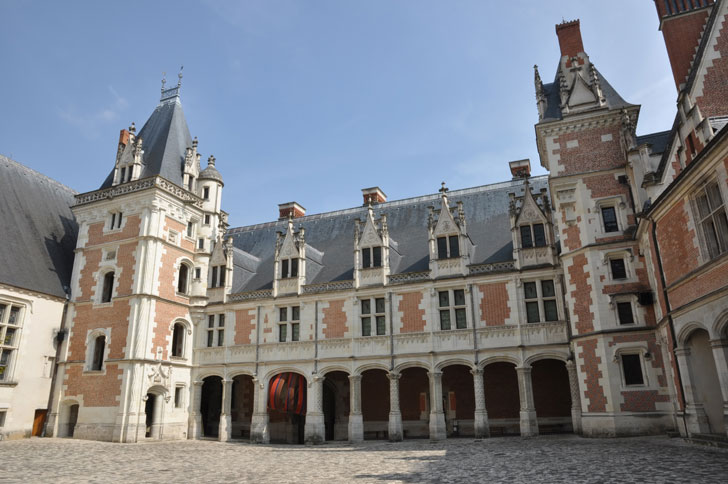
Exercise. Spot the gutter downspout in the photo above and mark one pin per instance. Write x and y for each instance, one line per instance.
(61, 335)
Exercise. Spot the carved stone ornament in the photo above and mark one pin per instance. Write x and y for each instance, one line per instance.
(160, 375)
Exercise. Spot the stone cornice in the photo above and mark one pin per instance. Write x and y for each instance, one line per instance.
(137, 186)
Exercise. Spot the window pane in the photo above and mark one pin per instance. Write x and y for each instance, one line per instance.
(444, 299)
(220, 337)
(459, 297)
(549, 307)
(282, 330)
(445, 319)
(460, 320)
(624, 312)
(532, 312)
(283, 314)
(526, 241)
(2, 312)
(721, 227)
(295, 332)
(295, 313)
(714, 196)
(214, 277)
(618, 269)
(294, 267)
(529, 289)
(547, 288)
(366, 306)
(366, 260)
(381, 326)
(210, 335)
(379, 305)
(14, 313)
(632, 370)
(539, 237)
(211, 321)
(366, 326)
(9, 333)
(609, 215)
(222, 275)
(221, 320)
(377, 252)
(711, 238)
(454, 246)
(442, 247)
(284, 268)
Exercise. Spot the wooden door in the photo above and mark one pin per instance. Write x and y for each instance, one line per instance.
(38, 421)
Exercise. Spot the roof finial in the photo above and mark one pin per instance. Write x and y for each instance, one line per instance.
(179, 81)
(132, 128)
(164, 80)
(444, 189)
(194, 142)
(211, 161)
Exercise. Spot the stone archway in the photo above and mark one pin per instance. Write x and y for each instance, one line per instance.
(704, 381)
(458, 400)
(287, 395)
(414, 402)
(375, 404)
(336, 405)
(241, 406)
(211, 406)
(68, 418)
(502, 399)
(552, 396)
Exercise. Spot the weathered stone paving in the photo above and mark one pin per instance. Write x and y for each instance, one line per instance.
(543, 459)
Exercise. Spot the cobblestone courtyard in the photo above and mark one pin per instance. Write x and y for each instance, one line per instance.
(543, 459)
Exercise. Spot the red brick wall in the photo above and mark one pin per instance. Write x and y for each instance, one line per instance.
(711, 280)
(86, 280)
(334, 320)
(88, 318)
(128, 231)
(97, 390)
(181, 229)
(413, 318)
(590, 367)
(168, 271)
(572, 236)
(244, 326)
(592, 154)
(682, 36)
(166, 314)
(583, 317)
(494, 305)
(677, 250)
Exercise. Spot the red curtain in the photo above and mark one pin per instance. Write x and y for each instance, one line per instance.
(287, 393)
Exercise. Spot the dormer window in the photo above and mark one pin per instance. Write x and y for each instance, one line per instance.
(371, 257)
(448, 247)
(289, 268)
(533, 236)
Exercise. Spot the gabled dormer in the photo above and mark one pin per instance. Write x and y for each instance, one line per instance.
(531, 222)
(220, 271)
(290, 261)
(450, 246)
(191, 170)
(128, 164)
(371, 250)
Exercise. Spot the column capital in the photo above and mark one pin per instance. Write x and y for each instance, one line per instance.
(719, 343)
(354, 377)
(434, 374)
(476, 371)
(198, 383)
(394, 376)
(524, 368)
(682, 351)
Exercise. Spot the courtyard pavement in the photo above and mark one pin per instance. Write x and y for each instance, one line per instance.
(543, 459)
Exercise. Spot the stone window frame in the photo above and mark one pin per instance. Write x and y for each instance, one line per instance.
(190, 232)
(619, 204)
(289, 323)
(183, 261)
(286, 270)
(186, 331)
(452, 308)
(218, 276)
(206, 192)
(106, 267)
(448, 246)
(540, 299)
(632, 300)
(12, 350)
(532, 233)
(628, 257)
(114, 222)
(179, 396)
(641, 350)
(207, 219)
(372, 259)
(122, 175)
(215, 331)
(697, 220)
(91, 338)
(373, 315)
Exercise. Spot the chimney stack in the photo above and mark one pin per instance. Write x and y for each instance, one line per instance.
(373, 195)
(520, 168)
(569, 34)
(124, 137)
(290, 209)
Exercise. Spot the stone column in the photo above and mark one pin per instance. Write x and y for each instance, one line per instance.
(482, 430)
(575, 397)
(356, 421)
(395, 416)
(314, 431)
(225, 428)
(694, 409)
(194, 427)
(438, 429)
(529, 422)
(720, 355)
(259, 431)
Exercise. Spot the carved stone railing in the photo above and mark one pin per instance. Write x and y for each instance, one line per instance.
(488, 268)
(136, 186)
(409, 277)
(328, 287)
(251, 295)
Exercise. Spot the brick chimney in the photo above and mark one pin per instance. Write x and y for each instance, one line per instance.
(124, 137)
(291, 209)
(681, 24)
(520, 168)
(569, 35)
(373, 195)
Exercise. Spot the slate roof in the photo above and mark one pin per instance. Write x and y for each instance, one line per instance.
(656, 141)
(330, 236)
(38, 234)
(165, 137)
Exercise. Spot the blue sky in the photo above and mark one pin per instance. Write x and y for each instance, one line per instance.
(311, 101)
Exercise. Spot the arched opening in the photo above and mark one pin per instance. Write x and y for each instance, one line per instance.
(153, 408)
(336, 405)
(184, 270)
(211, 406)
(502, 400)
(375, 404)
(178, 340)
(287, 408)
(241, 405)
(551, 396)
(414, 402)
(108, 287)
(458, 400)
(704, 379)
(97, 360)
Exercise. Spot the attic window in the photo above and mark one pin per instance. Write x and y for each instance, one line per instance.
(448, 247)
(371, 257)
(289, 268)
(533, 236)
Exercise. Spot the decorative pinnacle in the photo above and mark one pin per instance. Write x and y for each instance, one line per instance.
(164, 80)
(132, 128)
(211, 161)
(179, 80)
(194, 142)
(444, 189)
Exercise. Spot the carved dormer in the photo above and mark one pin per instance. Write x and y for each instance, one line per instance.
(450, 246)
(371, 250)
(192, 166)
(129, 154)
(532, 228)
(220, 271)
(290, 261)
